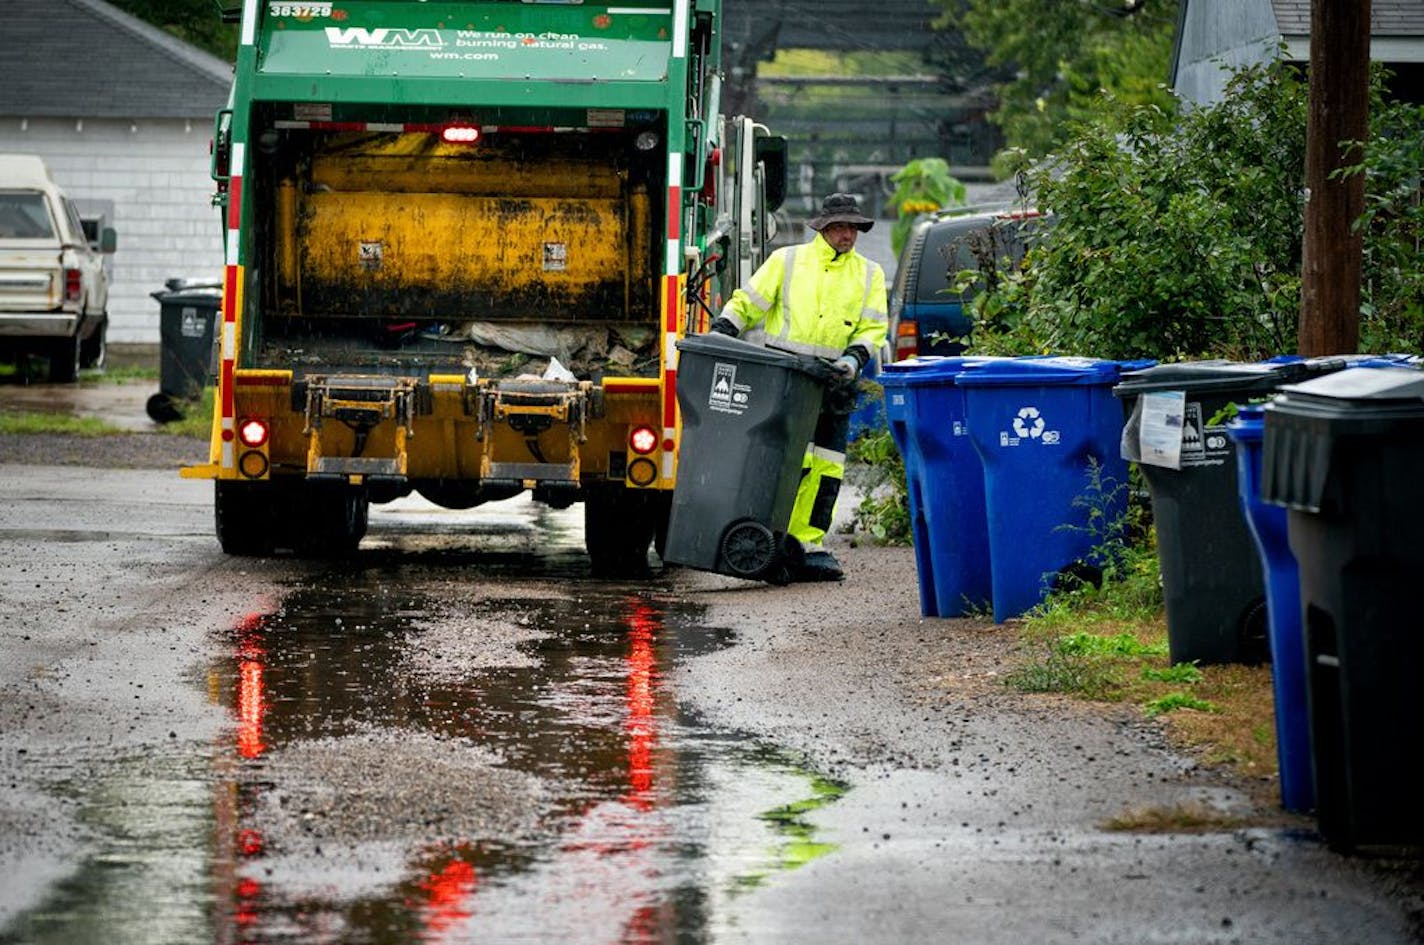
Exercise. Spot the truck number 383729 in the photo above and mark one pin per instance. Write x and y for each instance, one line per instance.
(299, 9)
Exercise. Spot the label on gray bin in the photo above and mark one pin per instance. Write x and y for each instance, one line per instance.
(193, 325)
(726, 395)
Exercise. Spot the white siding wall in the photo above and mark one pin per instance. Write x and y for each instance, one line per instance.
(1221, 36)
(156, 173)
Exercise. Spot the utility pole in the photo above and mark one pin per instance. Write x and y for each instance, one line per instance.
(1339, 112)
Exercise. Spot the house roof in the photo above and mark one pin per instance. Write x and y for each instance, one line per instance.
(87, 59)
(1387, 17)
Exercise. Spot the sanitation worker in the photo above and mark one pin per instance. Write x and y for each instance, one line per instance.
(820, 298)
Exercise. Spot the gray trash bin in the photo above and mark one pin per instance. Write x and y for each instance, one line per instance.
(188, 314)
(1344, 455)
(747, 414)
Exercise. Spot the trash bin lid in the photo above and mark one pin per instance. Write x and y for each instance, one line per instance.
(1307, 423)
(1238, 376)
(1356, 393)
(201, 294)
(932, 370)
(716, 345)
(1053, 371)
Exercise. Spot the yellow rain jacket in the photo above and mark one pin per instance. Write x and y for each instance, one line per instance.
(806, 300)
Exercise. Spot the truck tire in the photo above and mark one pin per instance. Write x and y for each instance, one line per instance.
(242, 512)
(330, 519)
(618, 528)
(64, 360)
(94, 350)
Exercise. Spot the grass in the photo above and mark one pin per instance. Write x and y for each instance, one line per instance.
(196, 420)
(1110, 644)
(33, 369)
(32, 422)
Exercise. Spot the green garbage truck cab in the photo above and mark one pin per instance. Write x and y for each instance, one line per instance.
(462, 240)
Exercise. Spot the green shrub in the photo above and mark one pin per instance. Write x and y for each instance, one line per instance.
(1179, 236)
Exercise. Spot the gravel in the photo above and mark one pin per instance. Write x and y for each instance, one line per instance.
(116, 451)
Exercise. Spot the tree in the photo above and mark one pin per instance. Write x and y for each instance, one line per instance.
(1064, 53)
(1180, 237)
(194, 21)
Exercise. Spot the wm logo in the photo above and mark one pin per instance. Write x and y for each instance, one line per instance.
(357, 36)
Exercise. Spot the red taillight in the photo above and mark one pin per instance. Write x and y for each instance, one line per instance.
(73, 284)
(907, 340)
(252, 432)
(460, 134)
(643, 440)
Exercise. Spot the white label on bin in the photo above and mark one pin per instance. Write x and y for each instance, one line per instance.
(1028, 425)
(1170, 427)
(727, 396)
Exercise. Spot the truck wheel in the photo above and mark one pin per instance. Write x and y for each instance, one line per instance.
(328, 519)
(94, 350)
(618, 528)
(64, 360)
(243, 513)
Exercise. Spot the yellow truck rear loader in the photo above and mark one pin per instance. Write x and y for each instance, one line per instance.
(462, 240)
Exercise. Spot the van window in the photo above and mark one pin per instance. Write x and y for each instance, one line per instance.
(944, 252)
(992, 246)
(24, 216)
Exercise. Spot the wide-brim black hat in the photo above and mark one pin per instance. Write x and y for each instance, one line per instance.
(840, 208)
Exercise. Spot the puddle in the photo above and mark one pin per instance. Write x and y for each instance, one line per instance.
(414, 760)
(122, 404)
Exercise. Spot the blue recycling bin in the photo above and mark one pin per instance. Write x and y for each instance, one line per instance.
(925, 409)
(1284, 631)
(1038, 426)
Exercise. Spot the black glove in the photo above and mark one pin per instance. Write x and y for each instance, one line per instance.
(722, 325)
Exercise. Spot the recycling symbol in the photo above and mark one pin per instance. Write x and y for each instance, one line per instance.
(1029, 423)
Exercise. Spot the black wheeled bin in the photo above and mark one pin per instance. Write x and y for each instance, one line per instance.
(1344, 454)
(747, 414)
(1175, 431)
(188, 314)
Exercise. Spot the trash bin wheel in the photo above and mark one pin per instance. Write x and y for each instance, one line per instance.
(163, 409)
(748, 549)
(1253, 647)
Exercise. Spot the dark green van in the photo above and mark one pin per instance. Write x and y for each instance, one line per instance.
(926, 315)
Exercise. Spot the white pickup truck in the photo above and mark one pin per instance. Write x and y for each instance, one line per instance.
(54, 291)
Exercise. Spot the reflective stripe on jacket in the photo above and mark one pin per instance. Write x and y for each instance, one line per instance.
(806, 300)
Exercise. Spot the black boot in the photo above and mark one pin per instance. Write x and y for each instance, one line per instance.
(819, 565)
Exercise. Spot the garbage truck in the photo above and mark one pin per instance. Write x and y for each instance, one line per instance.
(461, 243)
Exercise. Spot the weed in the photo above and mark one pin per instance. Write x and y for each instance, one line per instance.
(1121, 644)
(1111, 522)
(1181, 673)
(1109, 643)
(884, 511)
(1177, 700)
(1088, 674)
